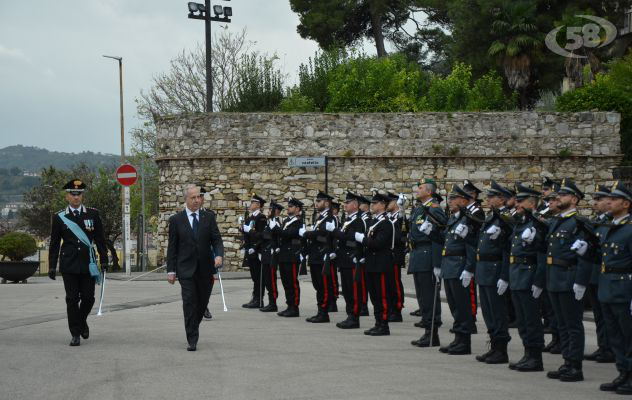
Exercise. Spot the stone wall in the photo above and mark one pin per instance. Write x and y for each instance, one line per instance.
(233, 155)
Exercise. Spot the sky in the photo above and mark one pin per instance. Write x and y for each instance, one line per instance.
(58, 92)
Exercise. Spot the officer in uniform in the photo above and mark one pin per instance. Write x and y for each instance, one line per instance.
(270, 254)
(457, 270)
(319, 255)
(397, 217)
(567, 275)
(426, 238)
(526, 278)
(365, 214)
(289, 257)
(476, 210)
(252, 230)
(492, 274)
(378, 244)
(348, 256)
(76, 257)
(615, 286)
(601, 206)
(333, 305)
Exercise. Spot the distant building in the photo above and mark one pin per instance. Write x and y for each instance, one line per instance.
(35, 174)
(11, 209)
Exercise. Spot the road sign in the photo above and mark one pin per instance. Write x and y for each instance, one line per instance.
(306, 161)
(126, 175)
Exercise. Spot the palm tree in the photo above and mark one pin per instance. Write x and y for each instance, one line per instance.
(517, 43)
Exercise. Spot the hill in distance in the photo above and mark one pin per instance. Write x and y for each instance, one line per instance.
(33, 159)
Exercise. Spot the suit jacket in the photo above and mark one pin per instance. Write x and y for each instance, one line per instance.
(75, 256)
(186, 252)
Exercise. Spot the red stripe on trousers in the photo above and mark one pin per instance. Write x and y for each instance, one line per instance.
(326, 293)
(399, 289)
(473, 297)
(295, 282)
(275, 294)
(384, 303)
(364, 299)
(355, 294)
(334, 279)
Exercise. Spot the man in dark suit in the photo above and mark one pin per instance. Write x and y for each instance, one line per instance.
(193, 238)
(76, 257)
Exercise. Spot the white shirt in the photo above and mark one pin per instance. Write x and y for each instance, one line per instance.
(190, 215)
(618, 220)
(71, 210)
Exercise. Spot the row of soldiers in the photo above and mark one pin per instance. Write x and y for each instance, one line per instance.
(531, 248)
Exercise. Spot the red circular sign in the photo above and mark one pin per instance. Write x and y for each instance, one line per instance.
(126, 175)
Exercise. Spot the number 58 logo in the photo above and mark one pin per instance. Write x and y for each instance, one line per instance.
(582, 36)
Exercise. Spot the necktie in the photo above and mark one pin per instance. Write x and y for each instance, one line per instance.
(76, 212)
(195, 224)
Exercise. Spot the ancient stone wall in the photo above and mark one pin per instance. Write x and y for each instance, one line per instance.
(233, 155)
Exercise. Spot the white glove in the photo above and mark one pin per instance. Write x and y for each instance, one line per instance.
(240, 219)
(437, 273)
(580, 247)
(301, 257)
(461, 230)
(277, 250)
(301, 232)
(362, 260)
(528, 235)
(579, 291)
(332, 256)
(359, 237)
(493, 232)
(401, 200)
(425, 228)
(355, 260)
(502, 286)
(535, 291)
(466, 278)
(272, 224)
(330, 226)
(251, 251)
(246, 228)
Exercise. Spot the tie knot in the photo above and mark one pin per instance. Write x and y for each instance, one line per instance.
(76, 212)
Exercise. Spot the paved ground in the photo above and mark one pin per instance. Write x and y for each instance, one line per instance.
(137, 351)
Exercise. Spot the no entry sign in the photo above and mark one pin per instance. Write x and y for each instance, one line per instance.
(126, 175)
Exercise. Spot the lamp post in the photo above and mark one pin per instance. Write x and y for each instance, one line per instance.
(123, 225)
(203, 12)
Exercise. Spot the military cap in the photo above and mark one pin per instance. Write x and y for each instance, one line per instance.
(75, 186)
(495, 189)
(523, 192)
(276, 205)
(335, 205)
(547, 183)
(555, 187)
(323, 196)
(380, 198)
(363, 199)
(295, 202)
(392, 196)
(568, 187)
(601, 191)
(619, 190)
(468, 186)
(427, 181)
(351, 197)
(258, 199)
(458, 192)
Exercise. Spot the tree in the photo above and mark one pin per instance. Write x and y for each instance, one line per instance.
(336, 23)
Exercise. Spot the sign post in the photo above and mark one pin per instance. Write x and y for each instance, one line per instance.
(126, 175)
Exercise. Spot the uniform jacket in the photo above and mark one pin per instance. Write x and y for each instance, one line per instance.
(399, 226)
(270, 243)
(347, 247)
(74, 256)
(378, 244)
(615, 278)
(425, 250)
(526, 261)
(290, 242)
(319, 240)
(492, 255)
(458, 253)
(254, 238)
(600, 231)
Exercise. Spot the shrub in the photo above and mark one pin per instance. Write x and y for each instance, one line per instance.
(294, 101)
(16, 246)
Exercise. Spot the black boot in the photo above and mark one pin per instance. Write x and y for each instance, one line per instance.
(416, 313)
(75, 341)
(271, 307)
(574, 373)
(557, 374)
(352, 322)
(626, 387)
(85, 333)
(464, 346)
(533, 363)
(282, 313)
(424, 341)
(514, 365)
(492, 350)
(421, 324)
(606, 356)
(614, 385)
(254, 303)
(319, 318)
(381, 330)
(446, 349)
(370, 331)
(500, 356)
(292, 312)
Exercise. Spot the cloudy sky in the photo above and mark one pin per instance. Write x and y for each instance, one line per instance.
(59, 93)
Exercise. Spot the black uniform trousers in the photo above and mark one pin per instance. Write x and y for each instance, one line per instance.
(547, 312)
(289, 279)
(364, 287)
(528, 318)
(619, 325)
(351, 290)
(270, 281)
(323, 285)
(397, 290)
(569, 315)
(425, 283)
(378, 285)
(335, 282)
(460, 303)
(494, 308)
(196, 292)
(79, 300)
(254, 264)
(602, 333)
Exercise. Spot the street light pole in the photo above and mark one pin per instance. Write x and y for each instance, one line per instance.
(123, 224)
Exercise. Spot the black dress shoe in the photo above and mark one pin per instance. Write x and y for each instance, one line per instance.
(207, 314)
(421, 324)
(291, 312)
(272, 307)
(319, 318)
(618, 381)
(416, 313)
(395, 317)
(85, 333)
(75, 341)
(370, 330)
(349, 323)
(606, 356)
(252, 304)
(381, 330)
(192, 347)
(557, 374)
(282, 313)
